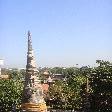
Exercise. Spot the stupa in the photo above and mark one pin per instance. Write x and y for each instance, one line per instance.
(32, 99)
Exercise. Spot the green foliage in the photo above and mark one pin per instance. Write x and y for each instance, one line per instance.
(56, 70)
(69, 93)
(60, 94)
(66, 94)
(72, 92)
(10, 94)
(101, 83)
(17, 75)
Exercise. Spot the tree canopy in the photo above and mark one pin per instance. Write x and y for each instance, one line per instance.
(66, 94)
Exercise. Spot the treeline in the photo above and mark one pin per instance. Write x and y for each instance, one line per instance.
(84, 89)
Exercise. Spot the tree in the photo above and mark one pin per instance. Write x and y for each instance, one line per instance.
(66, 94)
(56, 70)
(101, 83)
(17, 75)
(10, 95)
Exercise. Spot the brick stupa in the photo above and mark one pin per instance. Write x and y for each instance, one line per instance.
(32, 100)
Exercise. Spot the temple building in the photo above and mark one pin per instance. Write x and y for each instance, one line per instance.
(32, 100)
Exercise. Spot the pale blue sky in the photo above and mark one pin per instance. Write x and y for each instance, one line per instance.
(64, 32)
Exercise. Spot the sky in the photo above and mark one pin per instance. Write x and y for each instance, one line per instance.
(64, 32)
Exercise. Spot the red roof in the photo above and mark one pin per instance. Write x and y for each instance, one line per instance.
(45, 87)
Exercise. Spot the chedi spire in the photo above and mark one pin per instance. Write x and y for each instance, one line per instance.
(31, 63)
(32, 100)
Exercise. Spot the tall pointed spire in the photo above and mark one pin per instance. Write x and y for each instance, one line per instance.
(31, 64)
(32, 100)
(29, 41)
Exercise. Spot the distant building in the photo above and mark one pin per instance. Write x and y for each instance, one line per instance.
(3, 76)
(45, 74)
(1, 63)
(58, 77)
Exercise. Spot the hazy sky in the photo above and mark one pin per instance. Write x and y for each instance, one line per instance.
(64, 32)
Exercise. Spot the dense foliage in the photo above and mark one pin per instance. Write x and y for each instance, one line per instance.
(72, 92)
(10, 95)
(101, 83)
(66, 94)
(69, 93)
